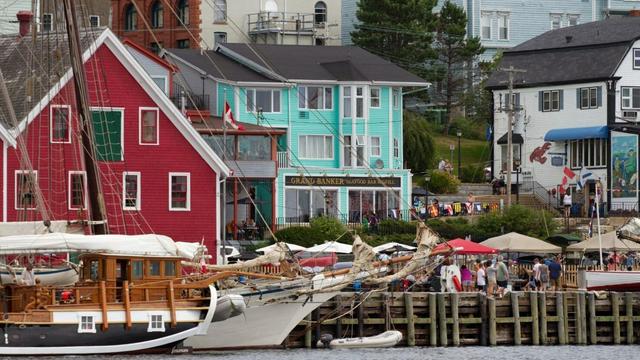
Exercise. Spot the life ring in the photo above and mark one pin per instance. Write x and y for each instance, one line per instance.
(456, 283)
(451, 277)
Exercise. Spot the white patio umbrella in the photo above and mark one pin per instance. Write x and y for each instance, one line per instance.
(392, 245)
(292, 247)
(331, 247)
(610, 241)
(518, 243)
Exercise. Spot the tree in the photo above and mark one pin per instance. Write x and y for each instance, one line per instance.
(419, 148)
(478, 102)
(397, 30)
(455, 53)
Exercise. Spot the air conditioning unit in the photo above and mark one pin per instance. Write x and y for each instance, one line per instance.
(630, 115)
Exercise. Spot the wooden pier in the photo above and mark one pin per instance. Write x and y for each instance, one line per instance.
(465, 319)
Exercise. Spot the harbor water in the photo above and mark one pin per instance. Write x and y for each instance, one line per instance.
(418, 353)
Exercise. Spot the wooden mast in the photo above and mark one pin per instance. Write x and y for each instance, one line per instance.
(97, 212)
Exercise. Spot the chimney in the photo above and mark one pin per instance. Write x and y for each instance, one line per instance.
(24, 18)
(634, 13)
(569, 39)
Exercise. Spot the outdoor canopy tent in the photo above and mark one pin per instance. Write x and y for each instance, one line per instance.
(331, 247)
(518, 243)
(610, 241)
(130, 245)
(292, 247)
(464, 247)
(393, 246)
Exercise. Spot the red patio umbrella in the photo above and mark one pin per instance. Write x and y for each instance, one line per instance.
(464, 247)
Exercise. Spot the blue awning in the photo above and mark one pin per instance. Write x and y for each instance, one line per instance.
(591, 132)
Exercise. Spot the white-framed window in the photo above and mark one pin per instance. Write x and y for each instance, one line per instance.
(588, 98)
(94, 21)
(267, 100)
(148, 126)
(485, 25)
(156, 323)
(86, 324)
(346, 101)
(219, 11)
(179, 191)
(550, 100)
(636, 59)
(161, 81)
(60, 124)
(25, 189)
(396, 99)
(355, 150)
(359, 102)
(573, 19)
(375, 146)
(504, 156)
(588, 153)
(630, 97)
(556, 21)
(131, 191)
(503, 26)
(374, 97)
(316, 147)
(315, 97)
(47, 22)
(77, 194)
(303, 204)
(396, 148)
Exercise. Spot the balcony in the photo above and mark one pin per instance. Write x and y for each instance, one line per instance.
(282, 22)
(190, 101)
(283, 159)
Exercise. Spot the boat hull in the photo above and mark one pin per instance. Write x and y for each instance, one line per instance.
(385, 340)
(613, 280)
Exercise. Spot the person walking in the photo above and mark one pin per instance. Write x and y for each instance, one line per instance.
(502, 276)
(555, 272)
(567, 202)
(536, 273)
(481, 278)
(491, 278)
(544, 276)
(467, 278)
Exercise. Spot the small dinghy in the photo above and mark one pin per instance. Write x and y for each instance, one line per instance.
(229, 306)
(386, 339)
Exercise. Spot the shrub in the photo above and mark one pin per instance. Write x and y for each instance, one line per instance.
(301, 235)
(472, 174)
(443, 183)
(376, 240)
(331, 228)
(520, 219)
(390, 226)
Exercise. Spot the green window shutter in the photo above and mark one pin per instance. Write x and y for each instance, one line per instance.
(561, 96)
(599, 90)
(107, 130)
(578, 98)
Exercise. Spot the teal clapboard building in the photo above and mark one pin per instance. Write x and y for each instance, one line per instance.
(341, 108)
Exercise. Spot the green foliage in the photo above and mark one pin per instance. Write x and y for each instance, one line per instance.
(376, 240)
(301, 235)
(390, 226)
(520, 219)
(478, 102)
(419, 147)
(469, 128)
(472, 174)
(331, 228)
(442, 183)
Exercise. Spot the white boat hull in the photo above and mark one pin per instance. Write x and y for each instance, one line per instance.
(613, 280)
(386, 339)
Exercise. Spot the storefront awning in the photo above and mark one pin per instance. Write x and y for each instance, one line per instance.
(515, 138)
(591, 132)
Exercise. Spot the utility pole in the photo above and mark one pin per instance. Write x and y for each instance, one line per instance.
(511, 111)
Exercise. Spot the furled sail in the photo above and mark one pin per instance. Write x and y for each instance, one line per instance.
(630, 230)
(275, 257)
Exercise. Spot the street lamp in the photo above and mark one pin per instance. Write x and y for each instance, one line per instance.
(459, 134)
(451, 148)
(516, 163)
(426, 195)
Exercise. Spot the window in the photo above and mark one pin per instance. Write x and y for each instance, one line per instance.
(320, 11)
(346, 101)
(375, 146)
(107, 131)
(47, 22)
(315, 146)
(346, 152)
(26, 189)
(504, 156)
(252, 148)
(396, 148)
(573, 20)
(179, 191)
(77, 184)
(589, 98)
(551, 100)
(157, 15)
(636, 59)
(588, 153)
(363, 202)
(503, 26)
(156, 323)
(131, 191)
(315, 97)
(94, 21)
(375, 97)
(630, 97)
(87, 324)
(60, 115)
(155, 48)
(485, 25)
(161, 81)
(153, 268)
(182, 44)
(130, 18)
(301, 205)
(220, 11)
(396, 99)
(169, 268)
(183, 11)
(354, 151)
(148, 126)
(359, 102)
(267, 100)
(137, 269)
(219, 37)
(556, 21)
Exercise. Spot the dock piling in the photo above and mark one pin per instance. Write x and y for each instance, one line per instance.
(515, 311)
(411, 326)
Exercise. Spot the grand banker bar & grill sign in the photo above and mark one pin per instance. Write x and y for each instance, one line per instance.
(343, 181)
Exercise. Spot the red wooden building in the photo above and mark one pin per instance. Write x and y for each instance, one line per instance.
(158, 175)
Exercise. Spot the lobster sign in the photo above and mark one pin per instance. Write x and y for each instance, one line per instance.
(538, 153)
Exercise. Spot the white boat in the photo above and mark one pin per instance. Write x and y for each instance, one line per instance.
(49, 276)
(385, 340)
(613, 280)
(229, 306)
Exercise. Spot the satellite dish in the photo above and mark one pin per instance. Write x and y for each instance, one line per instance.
(270, 6)
(379, 164)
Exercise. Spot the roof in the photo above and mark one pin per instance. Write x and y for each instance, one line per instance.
(576, 54)
(150, 54)
(589, 132)
(338, 63)
(515, 139)
(214, 124)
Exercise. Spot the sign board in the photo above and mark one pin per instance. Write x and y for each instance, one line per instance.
(395, 182)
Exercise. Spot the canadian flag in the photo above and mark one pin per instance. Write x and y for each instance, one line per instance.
(228, 118)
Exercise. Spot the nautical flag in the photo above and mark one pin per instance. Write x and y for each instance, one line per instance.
(228, 118)
(584, 176)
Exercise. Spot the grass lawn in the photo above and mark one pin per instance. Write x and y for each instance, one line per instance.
(474, 152)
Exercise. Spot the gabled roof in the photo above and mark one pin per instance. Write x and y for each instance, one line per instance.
(576, 54)
(46, 87)
(141, 49)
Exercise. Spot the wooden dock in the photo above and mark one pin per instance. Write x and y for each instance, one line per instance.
(465, 319)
